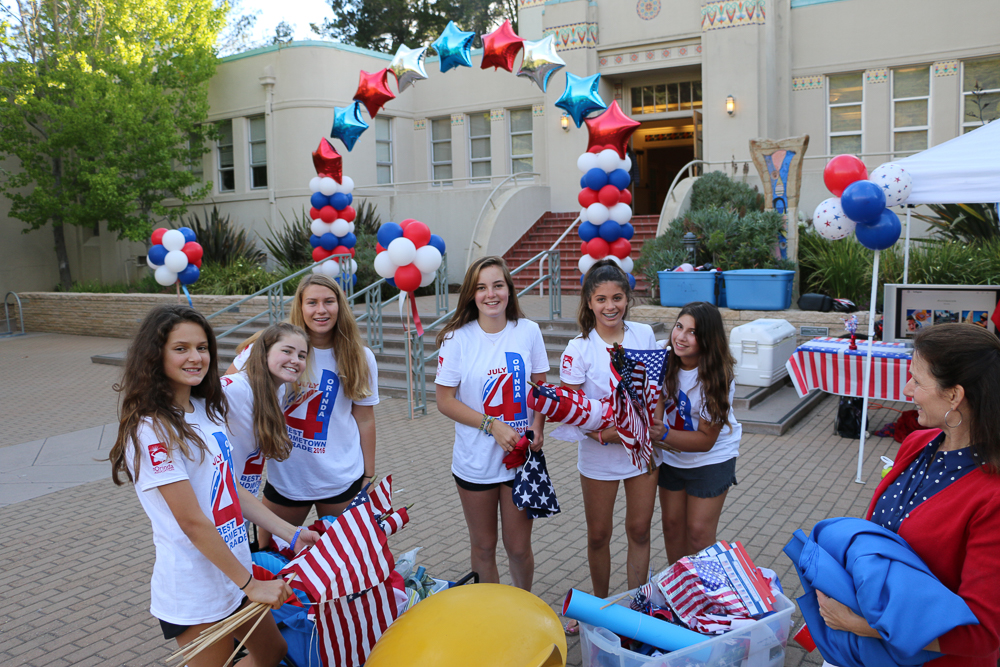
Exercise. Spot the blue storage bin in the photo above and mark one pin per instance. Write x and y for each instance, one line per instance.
(679, 288)
(759, 289)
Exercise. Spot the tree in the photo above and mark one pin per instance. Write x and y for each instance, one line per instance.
(104, 109)
(283, 33)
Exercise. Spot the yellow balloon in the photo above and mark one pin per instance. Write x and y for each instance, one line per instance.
(488, 625)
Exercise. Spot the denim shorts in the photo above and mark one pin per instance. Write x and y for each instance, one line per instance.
(702, 482)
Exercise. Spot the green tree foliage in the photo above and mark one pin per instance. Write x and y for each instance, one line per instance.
(103, 110)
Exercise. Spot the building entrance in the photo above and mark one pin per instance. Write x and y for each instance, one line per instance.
(661, 148)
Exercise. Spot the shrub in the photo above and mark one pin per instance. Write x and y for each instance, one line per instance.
(969, 223)
(289, 245)
(717, 189)
(239, 277)
(222, 242)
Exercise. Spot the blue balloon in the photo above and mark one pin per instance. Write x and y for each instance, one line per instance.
(435, 241)
(328, 241)
(582, 276)
(619, 178)
(583, 182)
(596, 179)
(388, 233)
(339, 200)
(882, 234)
(610, 231)
(157, 254)
(454, 47)
(628, 231)
(189, 274)
(319, 200)
(348, 124)
(631, 280)
(588, 231)
(863, 202)
(392, 282)
(314, 241)
(581, 97)
(348, 241)
(189, 236)
(354, 279)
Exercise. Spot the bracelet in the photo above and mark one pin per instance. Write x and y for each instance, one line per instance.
(243, 587)
(487, 424)
(600, 437)
(665, 435)
(295, 538)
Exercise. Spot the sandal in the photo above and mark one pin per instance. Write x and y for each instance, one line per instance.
(572, 628)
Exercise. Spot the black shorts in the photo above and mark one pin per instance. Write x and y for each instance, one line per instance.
(272, 494)
(472, 486)
(702, 482)
(172, 630)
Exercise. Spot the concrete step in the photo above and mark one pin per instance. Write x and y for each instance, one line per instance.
(778, 410)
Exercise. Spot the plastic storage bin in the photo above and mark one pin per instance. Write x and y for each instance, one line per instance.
(761, 349)
(761, 644)
(759, 289)
(679, 288)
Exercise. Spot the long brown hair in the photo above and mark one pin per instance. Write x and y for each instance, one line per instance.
(467, 311)
(146, 392)
(716, 366)
(269, 428)
(968, 355)
(603, 271)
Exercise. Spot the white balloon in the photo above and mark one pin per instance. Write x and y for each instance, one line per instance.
(165, 276)
(354, 266)
(327, 186)
(402, 251)
(173, 239)
(314, 184)
(583, 215)
(684, 267)
(175, 261)
(340, 227)
(427, 278)
(383, 265)
(428, 259)
(585, 263)
(346, 185)
(350, 228)
(608, 160)
(330, 268)
(830, 221)
(586, 162)
(895, 181)
(614, 258)
(318, 268)
(627, 163)
(149, 263)
(319, 227)
(620, 213)
(627, 265)
(597, 213)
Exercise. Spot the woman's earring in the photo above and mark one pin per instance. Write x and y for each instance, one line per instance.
(952, 425)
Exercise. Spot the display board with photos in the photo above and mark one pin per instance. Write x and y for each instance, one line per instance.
(909, 309)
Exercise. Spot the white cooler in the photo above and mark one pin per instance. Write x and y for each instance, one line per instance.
(761, 349)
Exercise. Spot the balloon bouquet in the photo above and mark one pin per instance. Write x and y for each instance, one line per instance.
(175, 256)
(332, 217)
(408, 254)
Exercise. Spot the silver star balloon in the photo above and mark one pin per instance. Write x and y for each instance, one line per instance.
(408, 66)
(540, 61)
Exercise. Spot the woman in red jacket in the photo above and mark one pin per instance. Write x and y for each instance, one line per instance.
(943, 493)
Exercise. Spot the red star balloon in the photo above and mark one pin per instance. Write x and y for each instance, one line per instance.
(611, 129)
(500, 47)
(327, 161)
(373, 91)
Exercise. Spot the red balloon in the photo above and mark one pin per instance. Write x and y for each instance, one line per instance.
(500, 47)
(583, 247)
(354, 250)
(193, 250)
(587, 197)
(328, 214)
(313, 212)
(625, 197)
(157, 237)
(348, 214)
(404, 223)
(595, 149)
(841, 171)
(417, 232)
(197, 262)
(609, 195)
(611, 129)
(373, 91)
(327, 161)
(378, 248)
(340, 250)
(407, 278)
(319, 254)
(620, 248)
(598, 248)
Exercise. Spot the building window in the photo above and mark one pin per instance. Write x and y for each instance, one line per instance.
(479, 147)
(663, 97)
(258, 153)
(844, 112)
(911, 91)
(980, 92)
(441, 150)
(383, 150)
(520, 141)
(227, 180)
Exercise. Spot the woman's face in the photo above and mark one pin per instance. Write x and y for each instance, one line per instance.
(931, 404)
(492, 293)
(608, 302)
(684, 343)
(185, 356)
(287, 358)
(319, 309)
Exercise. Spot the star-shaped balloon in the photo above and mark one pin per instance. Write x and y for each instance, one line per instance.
(408, 66)
(500, 47)
(348, 124)
(373, 91)
(454, 47)
(540, 61)
(611, 129)
(581, 97)
(327, 161)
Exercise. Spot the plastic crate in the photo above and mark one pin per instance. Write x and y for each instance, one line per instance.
(679, 288)
(759, 289)
(761, 643)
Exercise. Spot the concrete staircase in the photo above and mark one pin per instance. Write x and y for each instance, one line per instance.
(548, 228)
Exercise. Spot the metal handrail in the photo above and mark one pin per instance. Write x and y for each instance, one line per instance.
(489, 200)
(541, 289)
(6, 313)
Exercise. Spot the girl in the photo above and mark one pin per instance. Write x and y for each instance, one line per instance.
(487, 353)
(173, 445)
(700, 432)
(602, 461)
(331, 420)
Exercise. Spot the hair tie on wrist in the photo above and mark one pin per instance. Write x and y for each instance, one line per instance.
(295, 538)
(243, 587)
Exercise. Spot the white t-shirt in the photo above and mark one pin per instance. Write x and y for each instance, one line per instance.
(248, 461)
(326, 453)
(187, 588)
(686, 411)
(587, 362)
(491, 373)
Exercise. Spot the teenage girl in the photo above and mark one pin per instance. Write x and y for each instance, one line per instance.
(173, 446)
(603, 461)
(700, 432)
(331, 420)
(488, 351)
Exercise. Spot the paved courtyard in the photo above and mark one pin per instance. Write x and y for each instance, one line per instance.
(78, 551)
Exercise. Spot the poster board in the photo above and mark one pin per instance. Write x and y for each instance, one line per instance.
(908, 309)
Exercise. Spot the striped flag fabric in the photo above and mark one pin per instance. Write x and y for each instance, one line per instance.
(570, 406)
(348, 627)
(827, 364)
(393, 522)
(637, 378)
(698, 590)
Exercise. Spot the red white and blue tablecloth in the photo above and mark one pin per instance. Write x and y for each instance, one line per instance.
(827, 364)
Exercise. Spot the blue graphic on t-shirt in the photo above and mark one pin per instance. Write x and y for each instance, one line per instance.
(226, 511)
(309, 433)
(682, 415)
(509, 385)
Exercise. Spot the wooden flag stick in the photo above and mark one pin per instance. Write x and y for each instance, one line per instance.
(615, 600)
(409, 366)
(245, 637)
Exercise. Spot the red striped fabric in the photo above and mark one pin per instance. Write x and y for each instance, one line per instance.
(834, 371)
(348, 627)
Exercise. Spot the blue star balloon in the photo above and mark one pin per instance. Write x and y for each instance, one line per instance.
(408, 66)
(454, 47)
(540, 61)
(348, 124)
(581, 97)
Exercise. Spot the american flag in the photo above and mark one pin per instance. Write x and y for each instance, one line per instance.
(570, 406)
(637, 376)
(533, 490)
(380, 496)
(699, 592)
(642, 600)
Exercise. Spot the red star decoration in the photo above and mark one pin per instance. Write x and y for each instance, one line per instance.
(373, 91)
(327, 161)
(500, 47)
(611, 129)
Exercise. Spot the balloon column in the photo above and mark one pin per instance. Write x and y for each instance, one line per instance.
(859, 202)
(408, 257)
(332, 216)
(175, 256)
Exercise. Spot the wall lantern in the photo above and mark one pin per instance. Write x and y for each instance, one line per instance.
(730, 105)
(564, 122)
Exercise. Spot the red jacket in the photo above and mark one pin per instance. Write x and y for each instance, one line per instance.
(957, 534)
